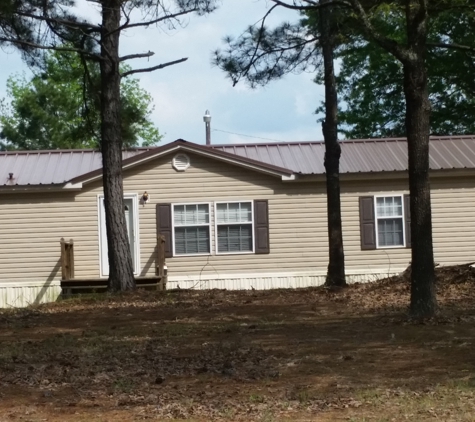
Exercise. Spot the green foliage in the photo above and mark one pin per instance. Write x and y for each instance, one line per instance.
(60, 108)
(370, 81)
(261, 55)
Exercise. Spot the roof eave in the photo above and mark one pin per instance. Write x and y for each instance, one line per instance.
(382, 175)
(72, 187)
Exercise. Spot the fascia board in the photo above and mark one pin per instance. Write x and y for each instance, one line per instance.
(186, 148)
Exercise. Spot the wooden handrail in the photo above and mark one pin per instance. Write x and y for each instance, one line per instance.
(67, 259)
(161, 268)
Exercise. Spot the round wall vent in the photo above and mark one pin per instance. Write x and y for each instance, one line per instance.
(181, 162)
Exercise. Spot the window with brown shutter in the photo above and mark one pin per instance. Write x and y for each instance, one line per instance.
(188, 225)
(385, 222)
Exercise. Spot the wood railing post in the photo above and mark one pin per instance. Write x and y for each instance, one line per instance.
(63, 259)
(161, 267)
(71, 259)
(67, 259)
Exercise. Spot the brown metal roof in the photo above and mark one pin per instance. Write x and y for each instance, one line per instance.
(358, 156)
(50, 167)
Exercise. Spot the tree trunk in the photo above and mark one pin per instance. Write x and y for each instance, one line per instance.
(121, 274)
(423, 297)
(336, 265)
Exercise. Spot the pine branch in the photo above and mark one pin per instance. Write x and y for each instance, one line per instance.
(128, 25)
(30, 44)
(65, 22)
(251, 62)
(312, 5)
(136, 56)
(151, 69)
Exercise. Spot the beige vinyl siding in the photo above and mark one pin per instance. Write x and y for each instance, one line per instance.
(31, 227)
(31, 224)
(388, 260)
(453, 224)
(453, 221)
(293, 246)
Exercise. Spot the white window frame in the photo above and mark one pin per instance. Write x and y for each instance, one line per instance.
(194, 225)
(403, 217)
(227, 224)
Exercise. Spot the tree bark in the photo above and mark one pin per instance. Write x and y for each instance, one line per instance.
(121, 274)
(423, 295)
(336, 266)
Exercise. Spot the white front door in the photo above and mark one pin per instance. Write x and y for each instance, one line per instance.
(130, 211)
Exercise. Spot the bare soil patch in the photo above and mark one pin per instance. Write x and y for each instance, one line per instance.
(281, 355)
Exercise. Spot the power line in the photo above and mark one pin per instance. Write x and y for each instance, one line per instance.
(247, 136)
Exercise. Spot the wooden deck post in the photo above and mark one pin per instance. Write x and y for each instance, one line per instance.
(63, 259)
(67, 259)
(70, 249)
(69, 283)
(161, 267)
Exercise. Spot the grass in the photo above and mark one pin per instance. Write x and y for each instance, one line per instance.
(452, 402)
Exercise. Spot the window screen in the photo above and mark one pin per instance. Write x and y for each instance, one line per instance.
(191, 229)
(390, 221)
(234, 227)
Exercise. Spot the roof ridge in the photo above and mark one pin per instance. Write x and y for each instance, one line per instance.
(72, 150)
(404, 139)
(357, 140)
(253, 144)
(257, 144)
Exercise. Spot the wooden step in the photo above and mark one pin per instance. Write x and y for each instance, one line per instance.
(99, 285)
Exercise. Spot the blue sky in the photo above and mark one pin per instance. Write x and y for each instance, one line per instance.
(281, 111)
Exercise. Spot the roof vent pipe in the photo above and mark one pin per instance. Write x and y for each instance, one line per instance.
(207, 120)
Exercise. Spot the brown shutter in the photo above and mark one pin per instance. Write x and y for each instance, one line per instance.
(261, 226)
(367, 223)
(407, 217)
(164, 227)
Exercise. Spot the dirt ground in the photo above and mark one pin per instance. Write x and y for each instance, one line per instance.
(282, 355)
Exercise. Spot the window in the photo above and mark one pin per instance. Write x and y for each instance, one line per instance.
(191, 224)
(234, 227)
(390, 221)
(238, 227)
(385, 222)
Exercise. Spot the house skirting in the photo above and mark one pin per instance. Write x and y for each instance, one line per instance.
(265, 281)
(23, 294)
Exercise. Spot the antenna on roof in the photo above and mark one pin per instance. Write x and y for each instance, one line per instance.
(207, 120)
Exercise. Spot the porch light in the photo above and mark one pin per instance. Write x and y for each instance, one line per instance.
(145, 198)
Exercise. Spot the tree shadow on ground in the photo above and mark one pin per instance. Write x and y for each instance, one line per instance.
(222, 348)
